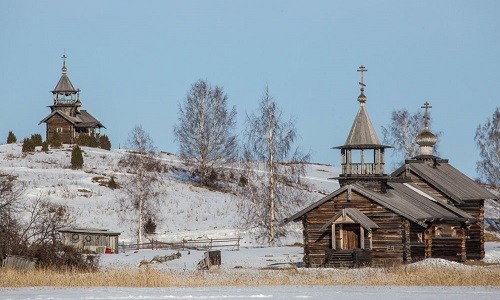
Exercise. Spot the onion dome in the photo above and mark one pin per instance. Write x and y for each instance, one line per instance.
(426, 139)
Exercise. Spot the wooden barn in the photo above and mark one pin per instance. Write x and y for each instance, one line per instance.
(91, 239)
(66, 117)
(425, 209)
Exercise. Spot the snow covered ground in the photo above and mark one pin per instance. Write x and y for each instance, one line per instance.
(267, 292)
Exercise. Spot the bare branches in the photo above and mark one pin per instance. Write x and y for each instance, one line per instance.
(205, 129)
(488, 141)
(271, 195)
(143, 189)
(401, 134)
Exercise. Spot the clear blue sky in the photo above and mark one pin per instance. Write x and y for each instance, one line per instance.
(134, 61)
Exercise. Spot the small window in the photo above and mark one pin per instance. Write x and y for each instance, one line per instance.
(59, 130)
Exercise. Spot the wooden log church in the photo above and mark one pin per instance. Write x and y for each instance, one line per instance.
(424, 209)
(66, 118)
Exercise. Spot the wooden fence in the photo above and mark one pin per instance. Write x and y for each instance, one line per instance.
(199, 244)
(19, 262)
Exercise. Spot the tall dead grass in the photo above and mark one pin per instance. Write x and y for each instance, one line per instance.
(150, 277)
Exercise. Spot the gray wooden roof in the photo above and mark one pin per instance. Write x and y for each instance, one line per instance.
(356, 215)
(362, 134)
(400, 199)
(82, 119)
(448, 180)
(89, 231)
(64, 85)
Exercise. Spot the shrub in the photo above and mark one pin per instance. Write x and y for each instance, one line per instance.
(45, 146)
(213, 175)
(28, 146)
(243, 181)
(87, 141)
(11, 138)
(36, 139)
(76, 158)
(150, 226)
(112, 183)
(104, 142)
(55, 141)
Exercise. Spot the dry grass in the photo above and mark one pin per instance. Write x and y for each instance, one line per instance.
(149, 277)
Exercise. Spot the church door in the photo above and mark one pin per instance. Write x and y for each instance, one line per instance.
(350, 236)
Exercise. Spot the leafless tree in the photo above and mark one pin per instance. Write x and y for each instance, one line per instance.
(488, 141)
(401, 133)
(274, 167)
(44, 221)
(144, 187)
(11, 192)
(205, 129)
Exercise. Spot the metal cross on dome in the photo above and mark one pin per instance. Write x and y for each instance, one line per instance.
(426, 106)
(362, 69)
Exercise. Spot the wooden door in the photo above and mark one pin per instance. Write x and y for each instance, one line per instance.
(350, 236)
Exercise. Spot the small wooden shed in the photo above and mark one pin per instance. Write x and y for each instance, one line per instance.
(91, 239)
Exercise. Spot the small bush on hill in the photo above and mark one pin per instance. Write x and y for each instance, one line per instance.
(76, 158)
(87, 141)
(11, 138)
(55, 141)
(150, 226)
(104, 142)
(112, 183)
(28, 146)
(36, 139)
(45, 146)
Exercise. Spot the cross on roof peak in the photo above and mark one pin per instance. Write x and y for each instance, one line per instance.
(362, 69)
(64, 69)
(426, 107)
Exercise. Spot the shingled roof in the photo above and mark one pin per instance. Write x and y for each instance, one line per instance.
(450, 181)
(64, 85)
(82, 119)
(400, 199)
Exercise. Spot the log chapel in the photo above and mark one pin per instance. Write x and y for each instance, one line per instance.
(66, 117)
(424, 209)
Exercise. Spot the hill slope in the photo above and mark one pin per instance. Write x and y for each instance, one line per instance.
(187, 210)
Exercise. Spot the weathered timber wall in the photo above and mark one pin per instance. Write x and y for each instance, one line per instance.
(475, 242)
(387, 240)
(58, 122)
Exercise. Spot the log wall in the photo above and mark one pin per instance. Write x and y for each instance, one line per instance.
(475, 242)
(67, 133)
(387, 240)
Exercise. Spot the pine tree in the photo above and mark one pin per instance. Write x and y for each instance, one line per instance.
(28, 145)
(104, 142)
(55, 141)
(76, 158)
(36, 139)
(11, 138)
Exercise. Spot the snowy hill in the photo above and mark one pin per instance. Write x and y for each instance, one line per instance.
(188, 211)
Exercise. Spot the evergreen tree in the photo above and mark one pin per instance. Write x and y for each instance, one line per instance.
(28, 145)
(11, 138)
(36, 139)
(104, 142)
(55, 141)
(76, 158)
(45, 146)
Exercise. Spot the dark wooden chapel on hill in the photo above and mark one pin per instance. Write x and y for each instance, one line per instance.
(424, 209)
(66, 118)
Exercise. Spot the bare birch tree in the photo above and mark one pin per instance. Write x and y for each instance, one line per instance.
(205, 129)
(401, 133)
(488, 141)
(143, 188)
(274, 167)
